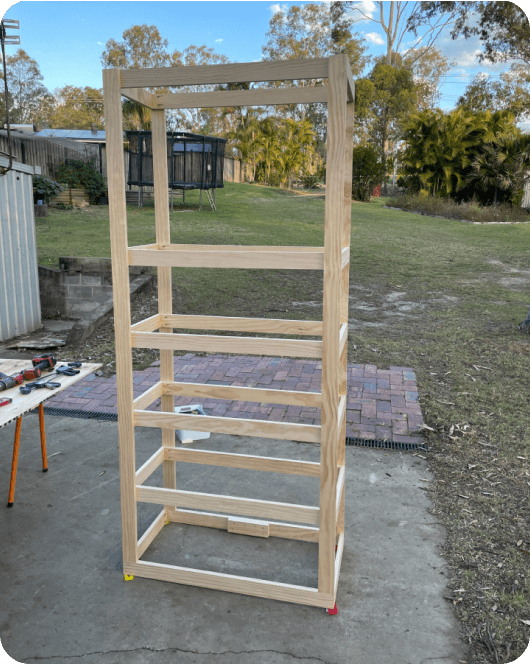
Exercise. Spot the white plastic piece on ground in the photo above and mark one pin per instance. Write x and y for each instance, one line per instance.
(184, 436)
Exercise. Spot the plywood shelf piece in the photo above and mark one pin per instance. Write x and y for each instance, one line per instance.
(331, 82)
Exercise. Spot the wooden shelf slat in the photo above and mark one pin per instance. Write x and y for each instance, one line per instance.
(254, 394)
(305, 433)
(243, 461)
(226, 344)
(218, 256)
(235, 324)
(244, 506)
(209, 520)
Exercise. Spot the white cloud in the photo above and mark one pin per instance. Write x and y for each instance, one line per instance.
(278, 9)
(101, 44)
(218, 40)
(374, 38)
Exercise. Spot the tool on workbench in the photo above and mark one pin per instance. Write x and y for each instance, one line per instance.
(75, 364)
(4, 401)
(7, 382)
(43, 382)
(40, 364)
(50, 385)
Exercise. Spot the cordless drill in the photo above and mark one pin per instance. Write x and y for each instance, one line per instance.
(10, 381)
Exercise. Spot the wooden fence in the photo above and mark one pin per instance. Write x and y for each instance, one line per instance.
(42, 152)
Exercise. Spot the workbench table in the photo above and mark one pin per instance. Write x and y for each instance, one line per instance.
(23, 403)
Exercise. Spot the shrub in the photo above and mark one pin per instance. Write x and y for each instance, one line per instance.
(78, 174)
(44, 188)
(367, 172)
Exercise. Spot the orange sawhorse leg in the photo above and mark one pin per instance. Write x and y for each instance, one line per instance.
(14, 463)
(42, 439)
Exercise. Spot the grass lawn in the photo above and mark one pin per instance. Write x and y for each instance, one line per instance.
(437, 295)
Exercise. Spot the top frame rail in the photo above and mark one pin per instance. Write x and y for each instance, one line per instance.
(248, 72)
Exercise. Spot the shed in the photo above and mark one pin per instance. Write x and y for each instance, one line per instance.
(19, 280)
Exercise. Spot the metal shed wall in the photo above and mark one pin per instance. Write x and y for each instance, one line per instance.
(19, 279)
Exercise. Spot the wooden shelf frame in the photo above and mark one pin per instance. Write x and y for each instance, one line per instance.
(322, 524)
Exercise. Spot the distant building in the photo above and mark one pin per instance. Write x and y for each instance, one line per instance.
(81, 135)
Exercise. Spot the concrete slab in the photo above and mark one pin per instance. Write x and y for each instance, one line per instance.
(64, 597)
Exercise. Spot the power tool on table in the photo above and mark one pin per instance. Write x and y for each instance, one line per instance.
(40, 364)
(7, 382)
(44, 382)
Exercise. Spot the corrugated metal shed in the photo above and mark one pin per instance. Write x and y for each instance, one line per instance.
(19, 280)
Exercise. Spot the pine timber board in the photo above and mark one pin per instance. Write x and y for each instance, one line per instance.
(227, 344)
(263, 258)
(250, 507)
(147, 538)
(249, 72)
(256, 97)
(147, 398)
(148, 324)
(305, 433)
(254, 394)
(234, 324)
(220, 521)
(252, 527)
(230, 583)
(243, 461)
(149, 467)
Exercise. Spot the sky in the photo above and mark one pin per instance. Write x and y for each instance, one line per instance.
(67, 38)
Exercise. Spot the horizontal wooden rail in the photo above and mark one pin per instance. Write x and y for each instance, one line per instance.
(149, 466)
(209, 520)
(243, 461)
(148, 324)
(306, 433)
(256, 258)
(140, 96)
(255, 97)
(150, 534)
(234, 324)
(230, 583)
(147, 398)
(254, 394)
(243, 506)
(248, 72)
(225, 344)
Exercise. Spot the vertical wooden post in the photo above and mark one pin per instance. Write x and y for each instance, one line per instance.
(122, 308)
(333, 242)
(165, 306)
(345, 294)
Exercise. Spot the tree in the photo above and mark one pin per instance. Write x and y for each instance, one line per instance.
(441, 148)
(77, 108)
(394, 97)
(367, 172)
(511, 93)
(502, 27)
(298, 143)
(429, 67)
(400, 22)
(311, 31)
(504, 165)
(26, 92)
(142, 47)
(247, 138)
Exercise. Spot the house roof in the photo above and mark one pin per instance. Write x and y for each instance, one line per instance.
(86, 135)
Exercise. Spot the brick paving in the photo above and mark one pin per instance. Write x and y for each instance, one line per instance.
(381, 404)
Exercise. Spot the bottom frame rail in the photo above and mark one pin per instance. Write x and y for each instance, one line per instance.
(209, 520)
(230, 583)
(150, 534)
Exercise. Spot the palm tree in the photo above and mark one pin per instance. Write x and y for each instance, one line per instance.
(298, 140)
